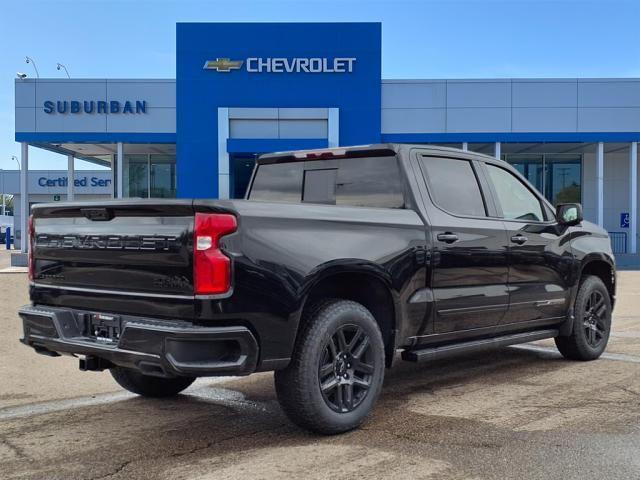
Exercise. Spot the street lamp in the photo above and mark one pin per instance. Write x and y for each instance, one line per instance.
(61, 66)
(17, 161)
(30, 60)
(3, 203)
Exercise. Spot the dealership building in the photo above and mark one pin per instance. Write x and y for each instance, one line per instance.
(242, 89)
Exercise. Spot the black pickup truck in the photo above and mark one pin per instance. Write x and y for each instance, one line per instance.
(336, 260)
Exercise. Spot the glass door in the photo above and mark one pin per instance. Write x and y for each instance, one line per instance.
(149, 175)
(557, 176)
(563, 178)
(162, 176)
(136, 176)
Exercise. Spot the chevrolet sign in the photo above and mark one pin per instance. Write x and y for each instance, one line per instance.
(284, 65)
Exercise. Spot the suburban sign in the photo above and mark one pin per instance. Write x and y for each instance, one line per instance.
(94, 106)
(284, 65)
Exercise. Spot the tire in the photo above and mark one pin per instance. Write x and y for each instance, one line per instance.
(149, 386)
(336, 371)
(592, 324)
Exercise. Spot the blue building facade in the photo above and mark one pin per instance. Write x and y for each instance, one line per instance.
(283, 66)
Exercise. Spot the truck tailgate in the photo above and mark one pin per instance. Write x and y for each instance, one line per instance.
(136, 248)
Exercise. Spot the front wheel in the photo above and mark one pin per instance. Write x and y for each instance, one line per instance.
(149, 386)
(592, 324)
(337, 369)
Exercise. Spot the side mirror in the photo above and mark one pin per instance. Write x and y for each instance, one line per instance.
(569, 214)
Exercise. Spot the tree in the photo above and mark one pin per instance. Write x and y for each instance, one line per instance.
(570, 194)
(8, 204)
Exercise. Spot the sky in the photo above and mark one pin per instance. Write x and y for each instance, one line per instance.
(420, 39)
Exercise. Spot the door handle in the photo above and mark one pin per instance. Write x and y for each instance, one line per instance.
(447, 237)
(519, 239)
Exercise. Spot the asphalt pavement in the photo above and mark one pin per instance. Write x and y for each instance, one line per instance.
(520, 412)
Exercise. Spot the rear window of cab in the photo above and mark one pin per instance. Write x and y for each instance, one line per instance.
(362, 182)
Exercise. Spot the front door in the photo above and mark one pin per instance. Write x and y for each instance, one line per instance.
(469, 256)
(539, 262)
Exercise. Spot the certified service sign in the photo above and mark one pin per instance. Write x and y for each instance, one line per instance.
(284, 65)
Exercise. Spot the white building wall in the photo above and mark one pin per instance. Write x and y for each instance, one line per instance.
(616, 188)
(278, 122)
(510, 105)
(408, 106)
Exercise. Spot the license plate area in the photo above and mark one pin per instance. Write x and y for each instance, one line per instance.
(104, 328)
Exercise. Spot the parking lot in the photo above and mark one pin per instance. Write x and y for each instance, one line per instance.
(520, 412)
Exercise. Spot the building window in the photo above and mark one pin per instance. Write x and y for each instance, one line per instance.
(136, 176)
(557, 176)
(563, 178)
(241, 169)
(149, 176)
(162, 176)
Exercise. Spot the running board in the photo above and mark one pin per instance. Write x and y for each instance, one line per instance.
(446, 351)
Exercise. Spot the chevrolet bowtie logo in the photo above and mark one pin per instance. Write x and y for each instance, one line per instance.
(223, 64)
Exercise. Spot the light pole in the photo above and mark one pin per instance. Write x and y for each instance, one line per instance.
(61, 66)
(30, 60)
(3, 203)
(17, 161)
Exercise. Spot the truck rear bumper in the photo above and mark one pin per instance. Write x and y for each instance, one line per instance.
(153, 347)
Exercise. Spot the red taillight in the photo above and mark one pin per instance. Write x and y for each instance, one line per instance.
(211, 267)
(32, 242)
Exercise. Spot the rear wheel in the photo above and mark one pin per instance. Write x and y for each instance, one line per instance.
(337, 369)
(592, 324)
(149, 386)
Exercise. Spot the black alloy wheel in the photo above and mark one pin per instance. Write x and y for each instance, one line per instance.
(346, 369)
(591, 327)
(336, 370)
(595, 320)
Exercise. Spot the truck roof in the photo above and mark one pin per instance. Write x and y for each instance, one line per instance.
(372, 150)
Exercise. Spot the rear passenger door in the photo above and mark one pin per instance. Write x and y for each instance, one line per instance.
(539, 262)
(469, 256)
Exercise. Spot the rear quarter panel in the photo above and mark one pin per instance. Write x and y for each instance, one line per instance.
(281, 250)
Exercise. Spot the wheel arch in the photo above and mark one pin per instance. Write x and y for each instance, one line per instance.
(598, 264)
(601, 267)
(367, 284)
